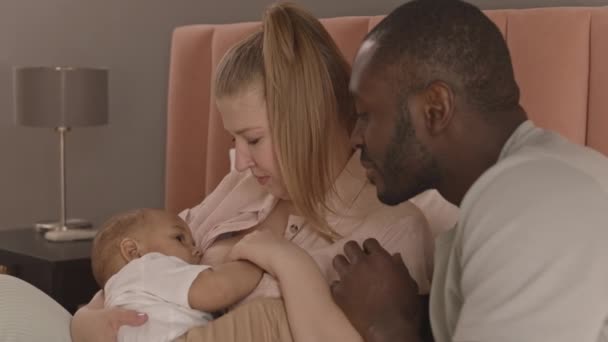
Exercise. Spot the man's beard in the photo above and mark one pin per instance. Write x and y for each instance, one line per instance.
(408, 167)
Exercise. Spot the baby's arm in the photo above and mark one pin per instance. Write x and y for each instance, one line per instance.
(224, 285)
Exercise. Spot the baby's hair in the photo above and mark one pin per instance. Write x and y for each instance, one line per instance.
(106, 245)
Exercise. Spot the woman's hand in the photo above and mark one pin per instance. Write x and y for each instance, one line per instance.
(93, 323)
(265, 249)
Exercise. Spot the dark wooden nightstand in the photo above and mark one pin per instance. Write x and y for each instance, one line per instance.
(60, 269)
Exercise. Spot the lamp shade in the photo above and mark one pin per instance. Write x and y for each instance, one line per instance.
(60, 96)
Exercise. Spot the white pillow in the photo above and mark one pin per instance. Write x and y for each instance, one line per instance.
(28, 314)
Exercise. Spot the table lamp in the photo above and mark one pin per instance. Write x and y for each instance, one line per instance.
(61, 98)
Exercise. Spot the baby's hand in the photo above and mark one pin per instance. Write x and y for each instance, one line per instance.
(264, 249)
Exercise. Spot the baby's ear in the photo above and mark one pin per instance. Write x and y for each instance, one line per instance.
(129, 249)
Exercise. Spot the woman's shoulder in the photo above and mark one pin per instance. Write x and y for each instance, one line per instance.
(366, 216)
(240, 189)
(368, 205)
(233, 180)
(236, 191)
(427, 209)
(241, 183)
(357, 199)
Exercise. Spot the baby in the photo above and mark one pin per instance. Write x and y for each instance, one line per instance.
(146, 260)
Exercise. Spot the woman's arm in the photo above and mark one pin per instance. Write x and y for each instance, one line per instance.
(94, 323)
(222, 286)
(312, 313)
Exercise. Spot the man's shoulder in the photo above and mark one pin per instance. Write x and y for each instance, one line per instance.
(540, 197)
(537, 171)
(534, 182)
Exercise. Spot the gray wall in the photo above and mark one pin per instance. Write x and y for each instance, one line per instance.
(121, 165)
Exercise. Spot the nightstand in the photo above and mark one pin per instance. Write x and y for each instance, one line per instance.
(60, 269)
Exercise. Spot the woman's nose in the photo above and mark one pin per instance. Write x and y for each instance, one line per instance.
(243, 160)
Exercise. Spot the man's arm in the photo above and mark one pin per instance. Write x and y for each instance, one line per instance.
(401, 329)
(222, 286)
(533, 258)
(426, 331)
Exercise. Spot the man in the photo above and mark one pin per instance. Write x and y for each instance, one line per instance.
(439, 108)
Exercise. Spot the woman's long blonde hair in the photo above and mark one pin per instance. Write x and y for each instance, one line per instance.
(305, 80)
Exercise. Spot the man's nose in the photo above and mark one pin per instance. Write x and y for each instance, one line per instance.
(356, 137)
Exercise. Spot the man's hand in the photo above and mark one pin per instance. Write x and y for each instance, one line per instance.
(377, 293)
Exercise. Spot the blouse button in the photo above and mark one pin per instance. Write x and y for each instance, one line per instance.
(294, 228)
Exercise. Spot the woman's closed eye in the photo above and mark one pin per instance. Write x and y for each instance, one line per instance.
(253, 141)
(250, 141)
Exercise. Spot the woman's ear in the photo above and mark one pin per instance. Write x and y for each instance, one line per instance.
(129, 249)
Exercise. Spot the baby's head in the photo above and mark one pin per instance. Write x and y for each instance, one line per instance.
(130, 235)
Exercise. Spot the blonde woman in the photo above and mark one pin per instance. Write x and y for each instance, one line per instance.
(283, 95)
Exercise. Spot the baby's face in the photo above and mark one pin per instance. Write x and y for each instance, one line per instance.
(171, 236)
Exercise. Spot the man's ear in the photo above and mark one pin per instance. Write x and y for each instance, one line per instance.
(438, 106)
(129, 249)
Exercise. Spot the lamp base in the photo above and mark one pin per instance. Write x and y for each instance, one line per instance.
(75, 234)
(73, 223)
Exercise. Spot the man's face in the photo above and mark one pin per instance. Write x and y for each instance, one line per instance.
(397, 162)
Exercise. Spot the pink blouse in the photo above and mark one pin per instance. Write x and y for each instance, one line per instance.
(239, 203)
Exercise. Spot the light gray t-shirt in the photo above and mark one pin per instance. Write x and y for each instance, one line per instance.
(528, 260)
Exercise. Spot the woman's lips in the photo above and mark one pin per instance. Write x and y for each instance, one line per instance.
(262, 180)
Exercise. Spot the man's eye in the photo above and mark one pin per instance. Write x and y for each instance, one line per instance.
(362, 116)
(180, 238)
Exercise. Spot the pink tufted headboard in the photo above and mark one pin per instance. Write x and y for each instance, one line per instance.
(560, 57)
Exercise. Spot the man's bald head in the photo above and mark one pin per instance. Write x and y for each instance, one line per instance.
(441, 40)
(433, 79)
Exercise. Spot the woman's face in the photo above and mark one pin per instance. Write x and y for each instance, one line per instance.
(246, 119)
